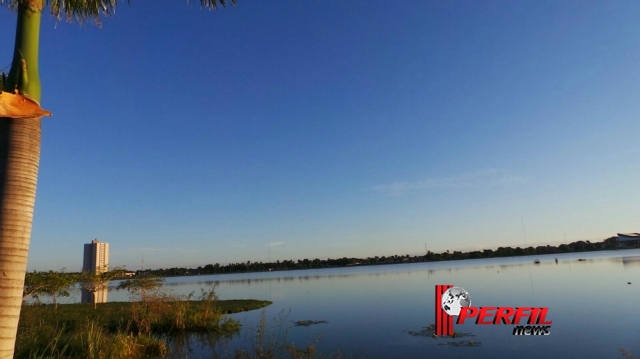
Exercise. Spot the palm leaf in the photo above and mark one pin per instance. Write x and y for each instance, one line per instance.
(91, 10)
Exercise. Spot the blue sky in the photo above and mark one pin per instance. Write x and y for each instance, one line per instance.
(354, 128)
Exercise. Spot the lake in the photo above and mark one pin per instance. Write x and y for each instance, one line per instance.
(375, 311)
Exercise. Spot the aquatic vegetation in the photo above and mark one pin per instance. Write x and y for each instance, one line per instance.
(430, 331)
(123, 329)
(269, 341)
(463, 343)
(306, 323)
(626, 354)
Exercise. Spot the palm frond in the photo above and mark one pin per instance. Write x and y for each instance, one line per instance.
(82, 10)
(11, 4)
(213, 4)
(91, 10)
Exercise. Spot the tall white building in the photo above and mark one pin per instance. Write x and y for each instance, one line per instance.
(96, 260)
(96, 257)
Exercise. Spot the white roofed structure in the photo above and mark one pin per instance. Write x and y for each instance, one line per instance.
(623, 237)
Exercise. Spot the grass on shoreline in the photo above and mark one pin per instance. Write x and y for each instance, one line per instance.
(122, 329)
(114, 313)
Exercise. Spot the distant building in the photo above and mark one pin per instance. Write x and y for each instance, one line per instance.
(95, 260)
(96, 257)
(629, 238)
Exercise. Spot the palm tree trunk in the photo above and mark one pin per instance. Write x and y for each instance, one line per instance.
(19, 160)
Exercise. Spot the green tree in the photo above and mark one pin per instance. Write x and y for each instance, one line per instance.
(140, 288)
(20, 135)
(99, 281)
(33, 281)
(611, 243)
(53, 284)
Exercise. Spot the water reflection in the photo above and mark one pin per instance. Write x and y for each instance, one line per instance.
(630, 262)
(97, 297)
(371, 310)
(195, 345)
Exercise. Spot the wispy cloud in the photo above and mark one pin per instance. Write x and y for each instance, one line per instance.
(276, 244)
(479, 179)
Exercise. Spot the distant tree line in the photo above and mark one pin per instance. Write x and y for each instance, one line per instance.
(579, 246)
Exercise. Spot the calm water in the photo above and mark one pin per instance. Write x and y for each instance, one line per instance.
(370, 310)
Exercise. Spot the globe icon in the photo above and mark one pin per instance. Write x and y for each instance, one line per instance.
(455, 299)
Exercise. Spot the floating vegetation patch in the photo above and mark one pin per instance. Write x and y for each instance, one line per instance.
(430, 331)
(462, 343)
(626, 354)
(306, 323)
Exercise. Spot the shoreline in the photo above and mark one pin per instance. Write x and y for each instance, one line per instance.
(431, 257)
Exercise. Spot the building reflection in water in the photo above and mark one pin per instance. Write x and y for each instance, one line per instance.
(98, 297)
(95, 260)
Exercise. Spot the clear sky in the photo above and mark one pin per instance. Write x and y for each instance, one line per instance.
(332, 129)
